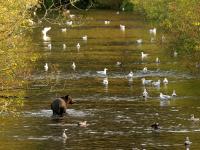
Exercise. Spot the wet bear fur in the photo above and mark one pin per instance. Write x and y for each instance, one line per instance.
(59, 105)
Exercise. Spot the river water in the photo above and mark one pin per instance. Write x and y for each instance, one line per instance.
(117, 115)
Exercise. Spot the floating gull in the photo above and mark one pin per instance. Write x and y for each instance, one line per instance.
(165, 81)
(156, 83)
(152, 31)
(44, 32)
(82, 123)
(64, 46)
(174, 93)
(130, 75)
(143, 55)
(118, 63)
(122, 27)
(69, 23)
(187, 143)
(49, 46)
(139, 41)
(145, 94)
(193, 118)
(164, 97)
(102, 72)
(78, 46)
(144, 81)
(157, 60)
(84, 38)
(64, 136)
(63, 29)
(106, 22)
(144, 70)
(73, 66)
(46, 67)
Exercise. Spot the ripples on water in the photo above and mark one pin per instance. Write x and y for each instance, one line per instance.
(117, 115)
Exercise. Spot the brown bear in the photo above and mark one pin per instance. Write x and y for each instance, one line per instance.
(59, 105)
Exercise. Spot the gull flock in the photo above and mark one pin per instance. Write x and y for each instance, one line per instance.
(103, 73)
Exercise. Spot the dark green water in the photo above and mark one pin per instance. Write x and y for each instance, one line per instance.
(117, 115)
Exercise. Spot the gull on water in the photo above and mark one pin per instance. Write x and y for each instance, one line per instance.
(104, 72)
(144, 70)
(122, 27)
(44, 32)
(193, 118)
(82, 124)
(78, 46)
(157, 60)
(187, 143)
(64, 136)
(49, 46)
(46, 67)
(118, 63)
(73, 66)
(72, 16)
(175, 53)
(139, 41)
(64, 46)
(145, 93)
(156, 83)
(164, 97)
(130, 75)
(69, 23)
(152, 31)
(174, 93)
(85, 38)
(143, 55)
(106, 22)
(63, 29)
(144, 81)
(105, 81)
(165, 81)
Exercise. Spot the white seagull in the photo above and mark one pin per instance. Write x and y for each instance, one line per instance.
(165, 81)
(174, 93)
(104, 72)
(73, 66)
(144, 70)
(106, 22)
(193, 118)
(44, 32)
(130, 75)
(122, 27)
(157, 60)
(63, 29)
(187, 143)
(64, 136)
(145, 94)
(139, 41)
(64, 46)
(152, 31)
(69, 23)
(164, 97)
(84, 38)
(156, 83)
(78, 46)
(46, 67)
(144, 81)
(82, 123)
(143, 55)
